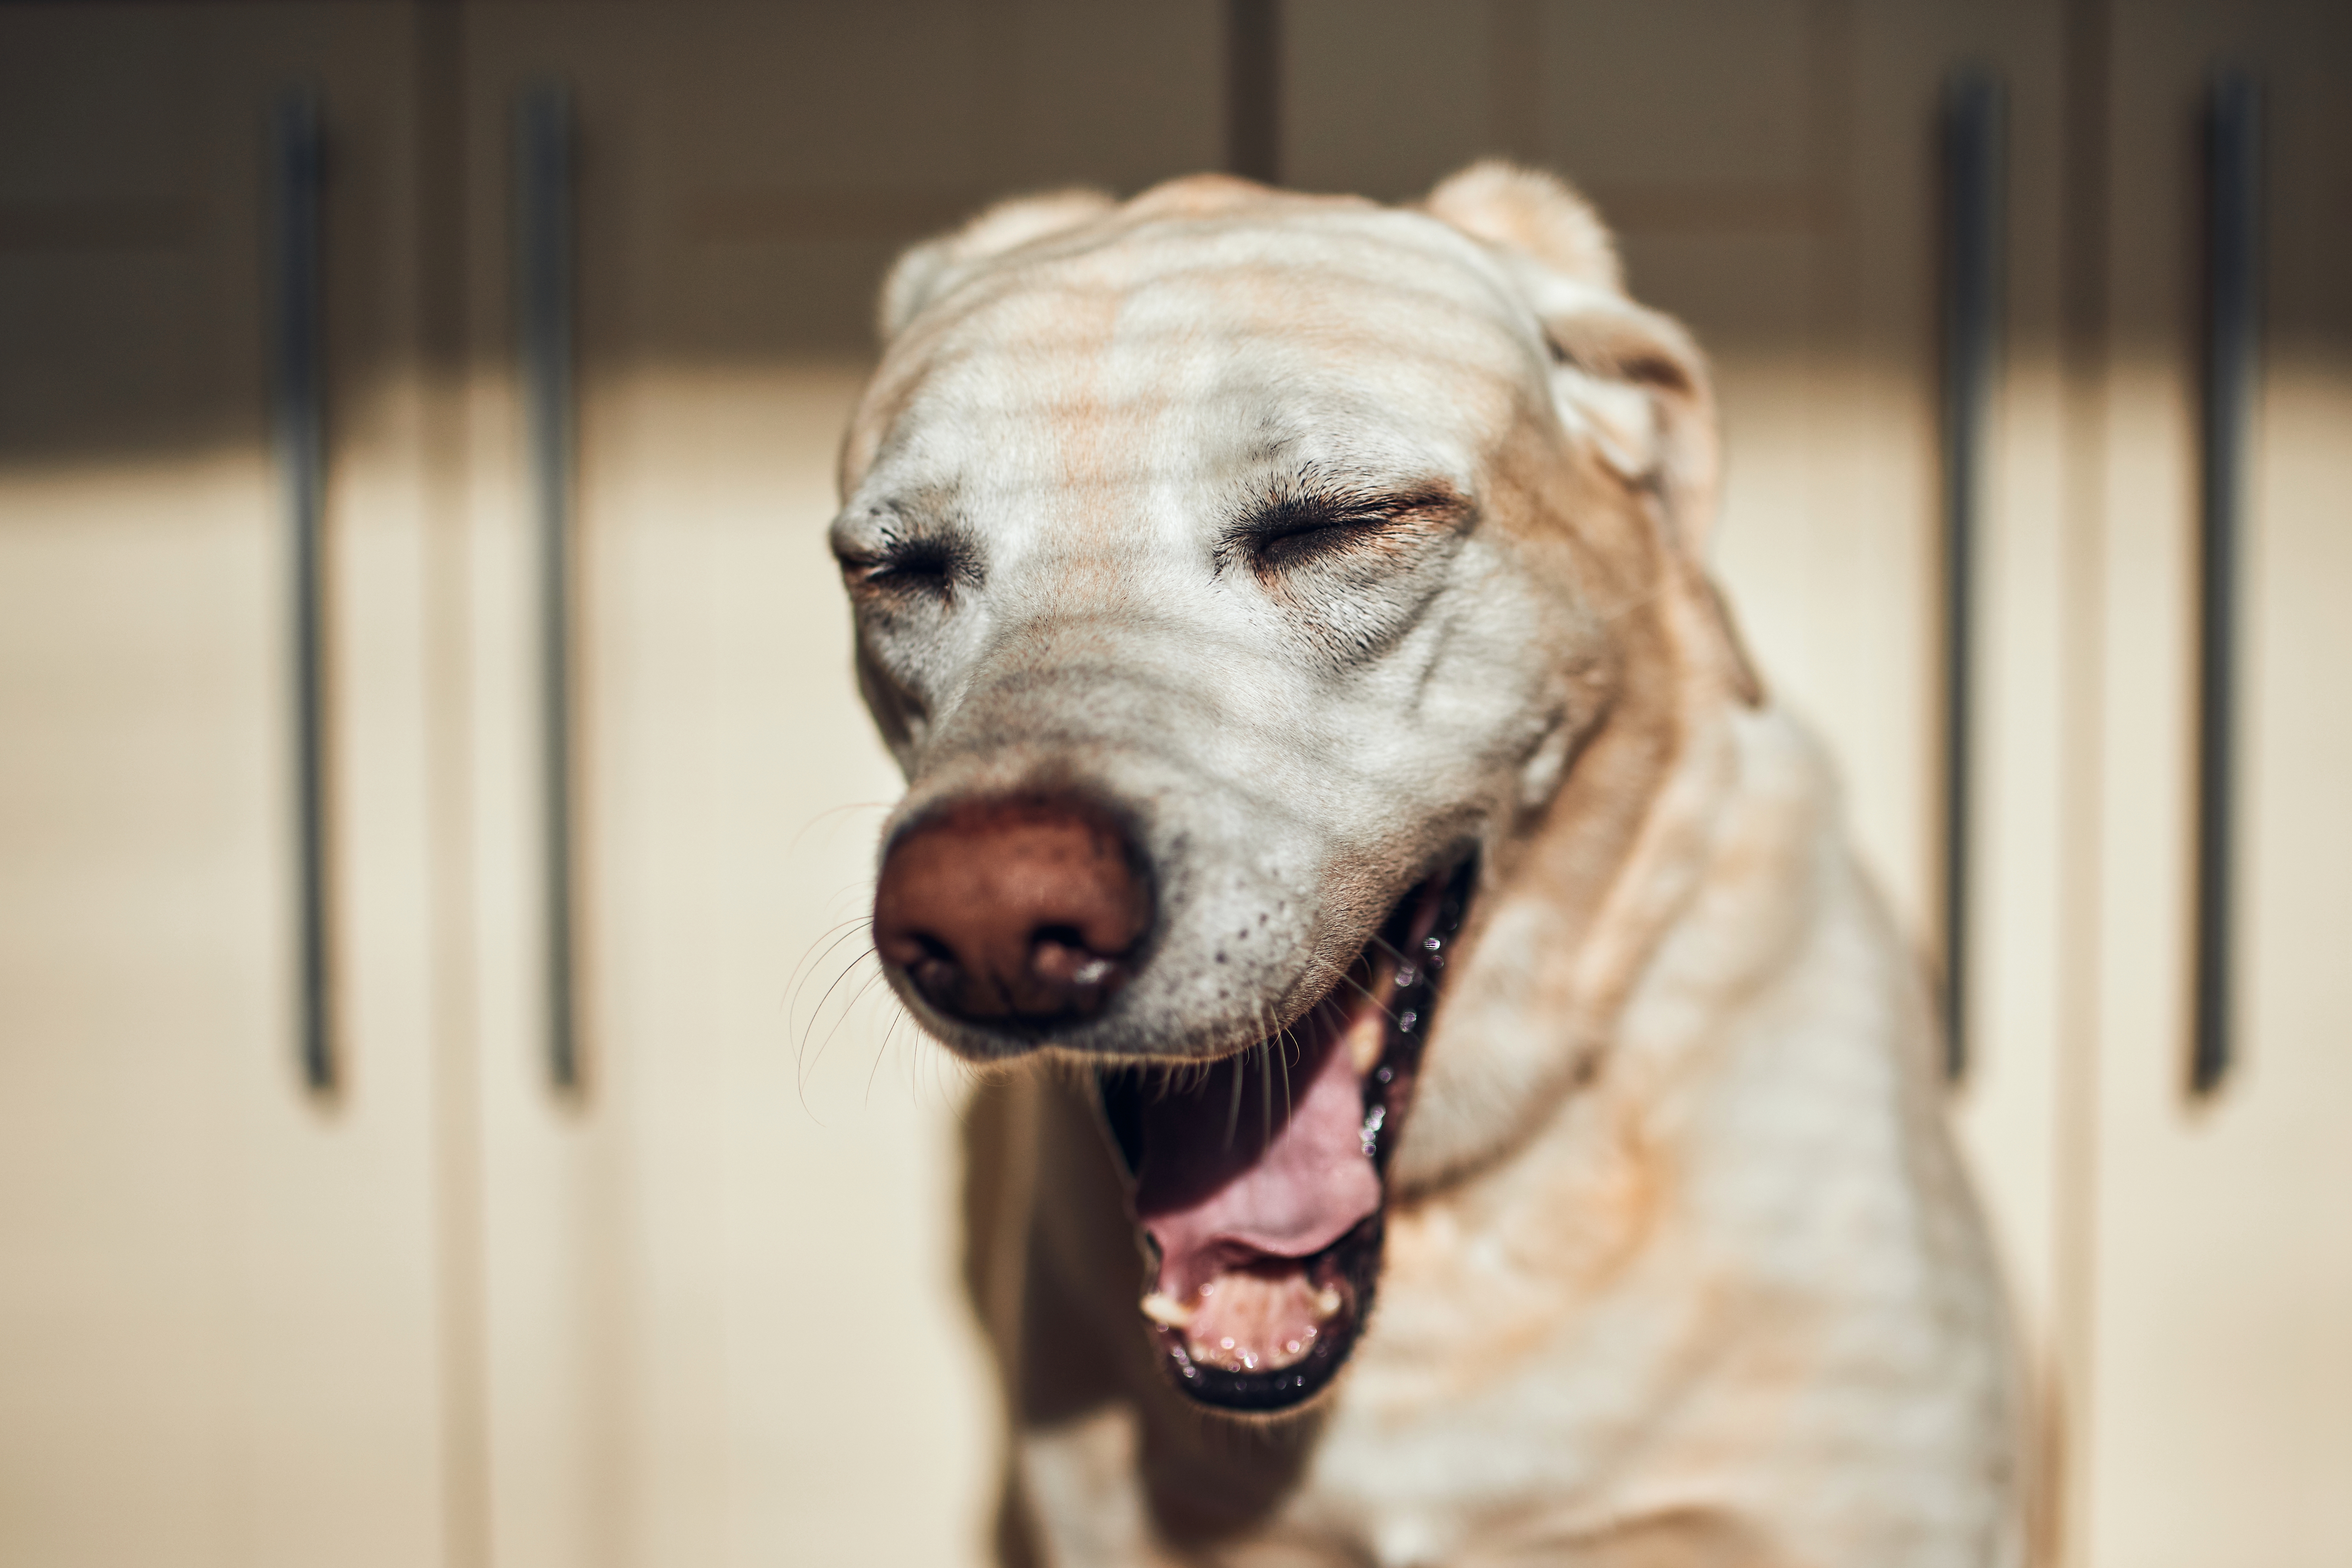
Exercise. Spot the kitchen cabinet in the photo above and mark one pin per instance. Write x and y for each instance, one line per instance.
(651, 1257)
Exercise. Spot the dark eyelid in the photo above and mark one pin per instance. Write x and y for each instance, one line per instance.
(1346, 510)
(942, 556)
(1328, 508)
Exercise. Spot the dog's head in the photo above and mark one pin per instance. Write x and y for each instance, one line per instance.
(1239, 579)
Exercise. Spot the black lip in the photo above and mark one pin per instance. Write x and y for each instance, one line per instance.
(1353, 1262)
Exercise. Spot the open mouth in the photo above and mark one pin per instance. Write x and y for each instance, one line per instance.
(1259, 1180)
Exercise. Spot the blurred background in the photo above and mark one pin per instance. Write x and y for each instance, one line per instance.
(446, 1113)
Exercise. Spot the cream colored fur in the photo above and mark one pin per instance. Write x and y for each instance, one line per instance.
(1682, 1269)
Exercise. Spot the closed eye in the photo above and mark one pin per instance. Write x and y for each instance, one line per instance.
(926, 565)
(1294, 533)
(1302, 530)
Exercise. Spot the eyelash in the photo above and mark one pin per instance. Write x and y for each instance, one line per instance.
(1303, 529)
(1278, 545)
(922, 566)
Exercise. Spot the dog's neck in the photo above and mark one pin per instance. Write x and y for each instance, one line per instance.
(1576, 910)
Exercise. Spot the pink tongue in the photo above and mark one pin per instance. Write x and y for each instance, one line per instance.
(1286, 1183)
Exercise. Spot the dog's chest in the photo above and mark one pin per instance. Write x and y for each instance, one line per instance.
(1422, 1455)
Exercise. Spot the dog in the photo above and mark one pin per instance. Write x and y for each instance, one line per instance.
(1449, 1096)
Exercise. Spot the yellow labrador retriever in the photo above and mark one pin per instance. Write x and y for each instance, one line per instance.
(1465, 1105)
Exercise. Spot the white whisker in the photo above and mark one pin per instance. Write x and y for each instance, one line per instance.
(796, 988)
(1265, 1091)
(1234, 1110)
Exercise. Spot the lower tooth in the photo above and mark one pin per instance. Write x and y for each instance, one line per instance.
(1327, 1302)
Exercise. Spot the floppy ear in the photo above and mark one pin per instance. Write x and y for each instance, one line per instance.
(1634, 378)
(932, 268)
(1532, 211)
(1628, 377)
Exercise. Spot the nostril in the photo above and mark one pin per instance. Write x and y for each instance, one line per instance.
(1059, 955)
(933, 966)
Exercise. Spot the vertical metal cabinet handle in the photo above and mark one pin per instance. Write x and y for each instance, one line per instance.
(1973, 197)
(2232, 340)
(1253, 89)
(543, 239)
(299, 435)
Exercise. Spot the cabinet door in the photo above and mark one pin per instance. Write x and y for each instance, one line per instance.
(220, 1319)
(726, 1324)
(2217, 1373)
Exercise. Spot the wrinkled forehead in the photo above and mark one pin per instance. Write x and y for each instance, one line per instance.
(1175, 351)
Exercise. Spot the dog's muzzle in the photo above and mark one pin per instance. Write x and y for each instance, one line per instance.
(1257, 1179)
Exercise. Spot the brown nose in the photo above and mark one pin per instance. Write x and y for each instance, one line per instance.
(1023, 909)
